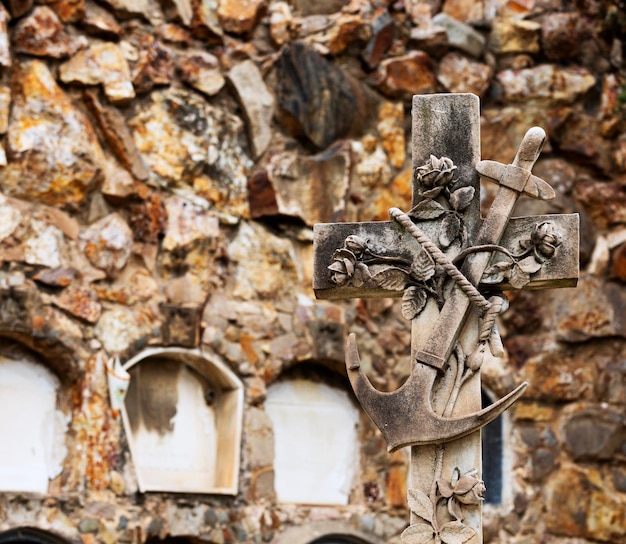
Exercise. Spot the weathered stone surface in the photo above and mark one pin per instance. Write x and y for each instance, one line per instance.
(560, 36)
(57, 277)
(107, 243)
(54, 158)
(514, 36)
(321, 7)
(99, 22)
(277, 270)
(465, 10)
(256, 102)
(280, 23)
(391, 129)
(313, 188)
(239, 16)
(316, 98)
(186, 223)
(381, 40)
(431, 39)
(154, 67)
(460, 35)
(119, 185)
(554, 376)
(544, 450)
(176, 34)
(606, 201)
(41, 34)
(179, 134)
(593, 432)
(5, 48)
(126, 9)
(17, 8)
(102, 63)
(458, 74)
(45, 245)
(405, 76)
(79, 301)
(118, 136)
(118, 328)
(333, 34)
(180, 11)
(595, 312)
(69, 11)
(579, 505)
(545, 81)
(204, 21)
(202, 71)
(5, 103)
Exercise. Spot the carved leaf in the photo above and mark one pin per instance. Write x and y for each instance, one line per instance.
(518, 278)
(392, 278)
(423, 267)
(418, 533)
(413, 302)
(462, 198)
(529, 264)
(497, 273)
(456, 532)
(427, 209)
(361, 275)
(450, 230)
(454, 509)
(432, 193)
(420, 504)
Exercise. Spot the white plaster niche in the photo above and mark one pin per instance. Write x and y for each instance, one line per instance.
(183, 419)
(316, 442)
(32, 426)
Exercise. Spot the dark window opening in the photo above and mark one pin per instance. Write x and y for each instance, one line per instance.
(492, 446)
(338, 539)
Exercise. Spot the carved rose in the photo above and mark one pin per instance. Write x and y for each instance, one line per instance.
(544, 240)
(436, 172)
(345, 268)
(462, 490)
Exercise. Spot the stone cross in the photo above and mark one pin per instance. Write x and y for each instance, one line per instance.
(450, 267)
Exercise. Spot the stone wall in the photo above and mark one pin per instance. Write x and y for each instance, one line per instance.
(162, 166)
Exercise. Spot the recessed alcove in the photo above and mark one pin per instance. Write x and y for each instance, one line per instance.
(33, 429)
(316, 441)
(183, 418)
(29, 535)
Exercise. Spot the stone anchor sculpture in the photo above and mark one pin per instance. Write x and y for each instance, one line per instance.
(441, 257)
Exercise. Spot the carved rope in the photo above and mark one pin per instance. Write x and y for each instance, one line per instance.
(438, 256)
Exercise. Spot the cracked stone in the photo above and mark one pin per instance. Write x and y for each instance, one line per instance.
(315, 98)
(107, 243)
(59, 161)
(102, 63)
(256, 102)
(41, 34)
(202, 71)
(155, 66)
(80, 301)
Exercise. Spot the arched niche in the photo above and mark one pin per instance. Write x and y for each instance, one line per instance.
(30, 535)
(34, 425)
(183, 418)
(316, 440)
(325, 532)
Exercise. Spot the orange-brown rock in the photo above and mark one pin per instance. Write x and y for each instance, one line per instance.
(239, 16)
(69, 11)
(54, 156)
(102, 63)
(155, 66)
(41, 34)
(202, 71)
(407, 75)
(5, 50)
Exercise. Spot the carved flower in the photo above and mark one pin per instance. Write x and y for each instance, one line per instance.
(356, 244)
(345, 268)
(436, 172)
(462, 490)
(544, 240)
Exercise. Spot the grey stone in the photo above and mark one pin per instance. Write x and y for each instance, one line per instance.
(460, 35)
(257, 104)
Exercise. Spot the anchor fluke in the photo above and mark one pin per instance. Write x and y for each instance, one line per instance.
(405, 417)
